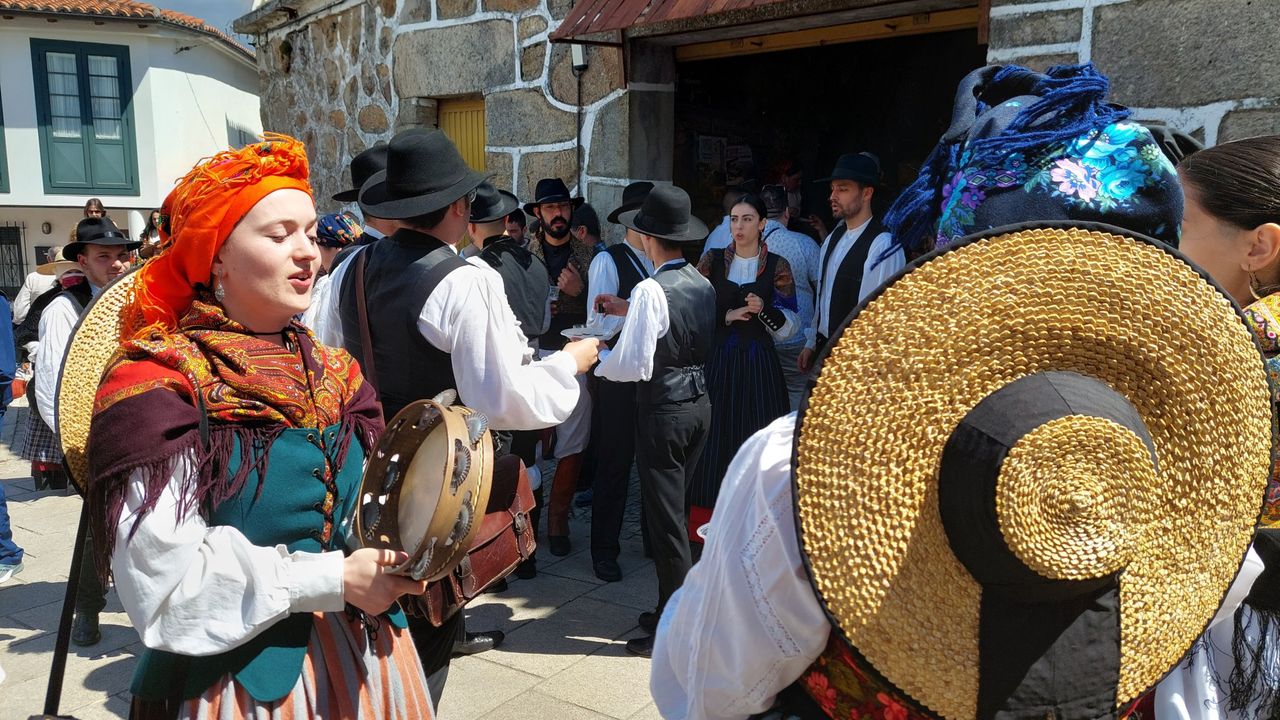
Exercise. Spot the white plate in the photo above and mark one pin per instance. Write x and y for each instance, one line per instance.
(584, 332)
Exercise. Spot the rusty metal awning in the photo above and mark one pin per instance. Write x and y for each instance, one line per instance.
(595, 18)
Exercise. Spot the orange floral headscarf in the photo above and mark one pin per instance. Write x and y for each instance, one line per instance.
(197, 217)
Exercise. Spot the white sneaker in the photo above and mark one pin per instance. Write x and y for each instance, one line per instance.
(8, 571)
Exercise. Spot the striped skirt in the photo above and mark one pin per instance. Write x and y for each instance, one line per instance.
(747, 391)
(343, 676)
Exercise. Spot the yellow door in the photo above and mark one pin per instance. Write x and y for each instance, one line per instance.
(462, 119)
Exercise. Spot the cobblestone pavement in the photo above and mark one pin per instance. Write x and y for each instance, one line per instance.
(563, 657)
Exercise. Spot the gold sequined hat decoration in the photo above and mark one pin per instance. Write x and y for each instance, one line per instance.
(1030, 468)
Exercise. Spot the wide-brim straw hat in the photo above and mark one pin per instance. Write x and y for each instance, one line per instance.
(57, 267)
(1167, 517)
(93, 341)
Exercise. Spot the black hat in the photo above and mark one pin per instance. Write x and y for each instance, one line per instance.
(363, 166)
(860, 167)
(665, 214)
(492, 204)
(425, 172)
(551, 190)
(632, 197)
(97, 231)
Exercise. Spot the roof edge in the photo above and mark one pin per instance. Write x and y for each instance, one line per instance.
(157, 18)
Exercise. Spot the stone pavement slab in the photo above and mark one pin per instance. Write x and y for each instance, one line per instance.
(563, 659)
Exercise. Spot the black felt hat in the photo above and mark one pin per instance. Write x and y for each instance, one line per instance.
(665, 214)
(363, 166)
(860, 167)
(492, 204)
(551, 190)
(425, 172)
(632, 198)
(97, 231)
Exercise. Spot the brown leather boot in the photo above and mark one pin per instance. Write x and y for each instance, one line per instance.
(562, 489)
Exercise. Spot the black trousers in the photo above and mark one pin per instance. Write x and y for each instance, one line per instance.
(435, 647)
(669, 439)
(615, 442)
(91, 597)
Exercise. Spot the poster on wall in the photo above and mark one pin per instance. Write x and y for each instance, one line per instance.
(739, 167)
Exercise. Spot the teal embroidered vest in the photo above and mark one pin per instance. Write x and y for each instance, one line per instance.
(290, 511)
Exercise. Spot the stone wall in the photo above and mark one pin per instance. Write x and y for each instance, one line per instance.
(328, 83)
(395, 59)
(1197, 65)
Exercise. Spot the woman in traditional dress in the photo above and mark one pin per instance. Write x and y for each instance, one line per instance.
(756, 306)
(1231, 228)
(225, 452)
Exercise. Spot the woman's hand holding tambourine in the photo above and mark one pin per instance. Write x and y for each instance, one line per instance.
(367, 584)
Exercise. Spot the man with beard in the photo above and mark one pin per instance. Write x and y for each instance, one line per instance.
(567, 259)
(853, 255)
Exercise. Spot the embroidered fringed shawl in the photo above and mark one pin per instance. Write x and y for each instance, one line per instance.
(148, 412)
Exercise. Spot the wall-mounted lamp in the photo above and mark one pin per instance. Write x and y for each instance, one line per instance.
(579, 55)
(46, 227)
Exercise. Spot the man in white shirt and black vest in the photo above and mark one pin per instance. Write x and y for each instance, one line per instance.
(858, 256)
(669, 329)
(103, 254)
(616, 271)
(422, 320)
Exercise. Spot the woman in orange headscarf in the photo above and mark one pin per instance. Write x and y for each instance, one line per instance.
(223, 464)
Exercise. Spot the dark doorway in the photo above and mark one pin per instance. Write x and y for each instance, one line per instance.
(740, 118)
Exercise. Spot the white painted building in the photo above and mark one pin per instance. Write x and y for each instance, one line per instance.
(109, 99)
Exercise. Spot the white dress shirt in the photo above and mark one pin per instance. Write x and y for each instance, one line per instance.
(56, 323)
(323, 316)
(198, 590)
(602, 278)
(720, 236)
(33, 287)
(467, 316)
(648, 318)
(1196, 688)
(874, 274)
(746, 623)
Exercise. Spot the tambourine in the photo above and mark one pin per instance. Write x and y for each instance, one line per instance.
(426, 486)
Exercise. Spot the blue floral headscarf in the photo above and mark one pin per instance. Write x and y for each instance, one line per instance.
(1024, 147)
(338, 230)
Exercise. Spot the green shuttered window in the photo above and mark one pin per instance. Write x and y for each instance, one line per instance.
(83, 93)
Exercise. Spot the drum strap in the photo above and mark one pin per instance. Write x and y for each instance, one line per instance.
(366, 340)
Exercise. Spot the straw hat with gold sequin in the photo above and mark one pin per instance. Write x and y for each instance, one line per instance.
(1030, 468)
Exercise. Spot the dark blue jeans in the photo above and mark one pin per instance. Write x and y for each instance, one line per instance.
(10, 554)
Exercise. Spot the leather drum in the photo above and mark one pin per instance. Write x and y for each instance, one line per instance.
(426, 486)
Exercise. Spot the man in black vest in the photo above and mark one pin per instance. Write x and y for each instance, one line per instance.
(103, 254)
(854, 260)
(524, 278)
(567, 259)
(668, 332)
(614, 272)
(422, 320)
